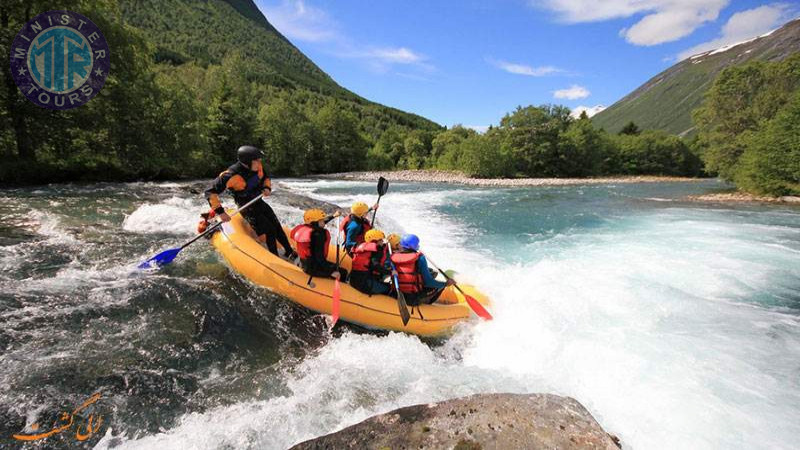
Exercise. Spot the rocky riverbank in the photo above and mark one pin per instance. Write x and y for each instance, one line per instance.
(442, 176)
(743, 197)
(497, 421)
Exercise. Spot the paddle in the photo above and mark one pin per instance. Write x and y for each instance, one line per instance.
(337, 293)
(401, 300)
(474, 304)
(166, 257)
(383, 186)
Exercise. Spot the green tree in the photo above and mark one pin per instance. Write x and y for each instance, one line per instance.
(288, 138)
(741, 99)
(630, 128)
(342, 146)
(581, 149)
(486, 156)
(445, 147)
(389, 147)
(771, 162)
(654, 152)
(230, 120)
(416, 149)
(533, 134)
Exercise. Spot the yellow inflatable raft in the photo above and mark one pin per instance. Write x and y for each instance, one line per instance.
(237, 244)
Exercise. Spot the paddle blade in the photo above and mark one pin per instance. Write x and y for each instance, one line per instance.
(161, 259)
(477, 307)
(337, 297)
(383, 186)
(403, 307)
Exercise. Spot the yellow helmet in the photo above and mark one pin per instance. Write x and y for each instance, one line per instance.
(313, 215)
(359, 208)
(394, 239)
(374, 235)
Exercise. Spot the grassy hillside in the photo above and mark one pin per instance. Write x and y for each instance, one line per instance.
(667, 100)
(205, 32)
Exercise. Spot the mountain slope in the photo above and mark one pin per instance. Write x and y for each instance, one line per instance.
(667, 100)
(207, 31)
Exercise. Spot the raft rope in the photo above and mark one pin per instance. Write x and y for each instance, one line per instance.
(419, 310)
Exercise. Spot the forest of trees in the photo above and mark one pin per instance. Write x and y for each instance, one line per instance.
(749, 126)
(543, 141)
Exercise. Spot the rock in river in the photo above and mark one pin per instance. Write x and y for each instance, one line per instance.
(482, 421)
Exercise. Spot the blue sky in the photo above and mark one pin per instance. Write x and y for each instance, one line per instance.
(470, 62)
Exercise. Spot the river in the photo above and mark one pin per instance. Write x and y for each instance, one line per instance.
(677, 324)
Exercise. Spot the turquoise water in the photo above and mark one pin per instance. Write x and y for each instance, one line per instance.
(677, 324)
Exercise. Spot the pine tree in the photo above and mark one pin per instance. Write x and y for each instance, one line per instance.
(630, 129)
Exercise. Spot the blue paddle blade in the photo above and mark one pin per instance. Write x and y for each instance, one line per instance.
(160, 259)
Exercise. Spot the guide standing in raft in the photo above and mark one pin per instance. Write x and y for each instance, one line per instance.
(245, 180)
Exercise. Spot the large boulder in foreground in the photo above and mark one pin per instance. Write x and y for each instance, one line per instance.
(483, 421)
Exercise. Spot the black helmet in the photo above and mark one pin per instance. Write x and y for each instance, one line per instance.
(247, 154)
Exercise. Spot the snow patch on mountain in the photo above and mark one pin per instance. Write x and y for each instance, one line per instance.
(590, 110)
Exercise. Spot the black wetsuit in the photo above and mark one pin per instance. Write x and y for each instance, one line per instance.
(245, 184)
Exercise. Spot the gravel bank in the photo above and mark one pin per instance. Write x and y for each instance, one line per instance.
(742, 197)
(441, 176)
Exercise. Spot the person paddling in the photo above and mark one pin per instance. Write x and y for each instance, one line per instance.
(394, 241)
(246, 180)
(370, 264)
(413, 275)
(356, 225)
(313, 244)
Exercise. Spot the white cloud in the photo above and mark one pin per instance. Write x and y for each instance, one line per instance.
(400, 55)
(663, 21)
(574, 92)
(590, 110)
(522, 69)
(744, 26)
(296, 20)
(382, 59)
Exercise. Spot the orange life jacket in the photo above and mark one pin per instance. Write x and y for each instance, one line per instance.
(408, 276)
(365, 226)
(301, 234)
(362, 258)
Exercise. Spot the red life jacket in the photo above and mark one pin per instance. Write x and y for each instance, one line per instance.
(203, 224)
(301, 234)
(408, 276)
(362, 258)
(365, 226)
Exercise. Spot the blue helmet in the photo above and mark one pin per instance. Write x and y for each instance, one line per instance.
(410, 242)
